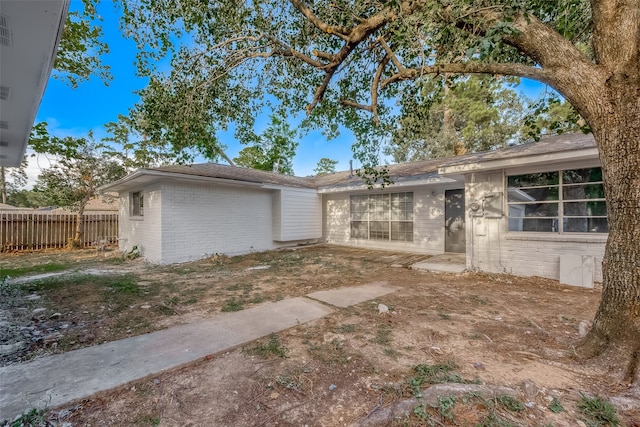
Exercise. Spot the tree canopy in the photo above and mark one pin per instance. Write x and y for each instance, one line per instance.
(471, 114)
(81, 166)
(230, 60)
(325, 165)
(353, 63)
(273, 151)
(81, 47)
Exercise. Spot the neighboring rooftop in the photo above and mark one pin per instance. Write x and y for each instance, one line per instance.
(5, 207)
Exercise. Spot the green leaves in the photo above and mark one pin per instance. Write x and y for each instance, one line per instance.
(325, 166)
(81, 48)
(273, 151)
(230, 60)
(81, 167)
(478, 113)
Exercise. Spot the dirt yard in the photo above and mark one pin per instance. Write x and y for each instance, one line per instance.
(466, 333)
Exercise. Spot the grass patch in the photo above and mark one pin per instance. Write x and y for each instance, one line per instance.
(445, 410)
(164, 310)
(35, 269)
(126, 285)
(34, 417)
(232, 304)
(297, 380)
(383, 334)
(133, 325)
(445, 407)
(555, 406)
(509, 403)
(273, 347)
(238, 287)
(597, 411)
(147, 420)
(257, 299)
(390, 352)
(477, 299)
(346, 328)
(433, 374)
(330, 353)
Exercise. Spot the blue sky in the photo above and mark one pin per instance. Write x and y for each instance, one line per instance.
(76, 111)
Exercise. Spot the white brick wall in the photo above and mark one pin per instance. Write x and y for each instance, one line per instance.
(428, 222)
(184, 222)
(144, 231)
(491, 248)
(202, 220)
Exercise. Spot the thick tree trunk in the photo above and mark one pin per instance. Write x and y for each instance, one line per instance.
(616, 329)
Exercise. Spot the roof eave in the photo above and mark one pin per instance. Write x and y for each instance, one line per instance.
(146, 176)
(520, 161)
(434, 180)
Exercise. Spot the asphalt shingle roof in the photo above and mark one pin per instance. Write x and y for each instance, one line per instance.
(410, 171)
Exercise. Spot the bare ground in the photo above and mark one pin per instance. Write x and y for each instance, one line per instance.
(347, 368)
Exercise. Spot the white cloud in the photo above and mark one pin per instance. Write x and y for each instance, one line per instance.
(37, 163)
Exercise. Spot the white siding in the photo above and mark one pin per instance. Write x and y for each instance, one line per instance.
(202, 220)
(491, 248)
(297, 214)
(428, 222)
(143, 232)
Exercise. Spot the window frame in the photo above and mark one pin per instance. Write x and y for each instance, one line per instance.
(382, 216)
(559, 200)
(136, 200)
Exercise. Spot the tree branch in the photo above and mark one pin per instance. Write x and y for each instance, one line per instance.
(317, 97)
(390, 54)
(342, 32)
(519, 70)
(356, 36)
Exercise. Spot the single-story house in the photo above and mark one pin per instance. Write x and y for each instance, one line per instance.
(530, 209)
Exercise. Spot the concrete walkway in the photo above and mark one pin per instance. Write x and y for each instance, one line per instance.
(447, 262)
(55, 380)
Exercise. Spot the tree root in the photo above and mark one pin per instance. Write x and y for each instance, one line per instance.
(385, 416)
(625, 358)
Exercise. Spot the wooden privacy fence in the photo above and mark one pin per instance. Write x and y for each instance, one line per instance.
(41, 230)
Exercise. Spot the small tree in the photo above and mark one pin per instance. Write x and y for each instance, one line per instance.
(325, 165)
(274, 150)
(82, 166)
(252, 157)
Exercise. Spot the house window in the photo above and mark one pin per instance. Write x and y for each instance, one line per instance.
(570, 201)
(382, 217)
(137, 204)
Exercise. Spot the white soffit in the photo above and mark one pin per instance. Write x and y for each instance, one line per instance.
(29, 35)
(573, 156)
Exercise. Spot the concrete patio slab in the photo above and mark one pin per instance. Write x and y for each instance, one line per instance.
(448, 262)
(345, 297)
(58, 379)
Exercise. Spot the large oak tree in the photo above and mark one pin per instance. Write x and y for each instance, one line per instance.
(347, 62)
